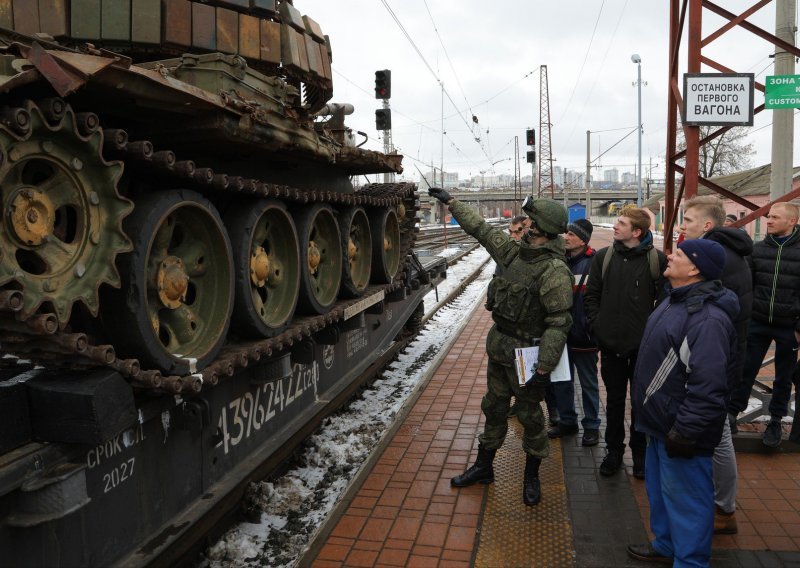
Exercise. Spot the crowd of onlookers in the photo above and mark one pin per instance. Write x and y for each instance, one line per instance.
(684, 335)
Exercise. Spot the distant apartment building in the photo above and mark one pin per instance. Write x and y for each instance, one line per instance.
(611, 175)
(573, 178)
(435, 179)
(558, 176)
(628, 178)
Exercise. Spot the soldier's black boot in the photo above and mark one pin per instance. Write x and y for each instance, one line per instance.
(480, 472)
(532, 488)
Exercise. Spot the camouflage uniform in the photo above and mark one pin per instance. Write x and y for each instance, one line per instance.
(532, 299)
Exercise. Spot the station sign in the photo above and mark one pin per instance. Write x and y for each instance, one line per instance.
(782, 91)
(718, 99)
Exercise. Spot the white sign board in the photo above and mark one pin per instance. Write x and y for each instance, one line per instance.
(718, 99)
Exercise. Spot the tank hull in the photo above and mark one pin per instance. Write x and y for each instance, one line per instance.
(146, 493)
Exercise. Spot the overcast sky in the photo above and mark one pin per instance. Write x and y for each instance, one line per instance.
(488, 55)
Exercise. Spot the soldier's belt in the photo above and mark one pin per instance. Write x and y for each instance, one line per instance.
(530, 341)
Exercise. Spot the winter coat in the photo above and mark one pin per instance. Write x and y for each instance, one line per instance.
(776, 281)
(618, 304)
(683, 369)
(736, 276)
(531, 299)
(579, 335)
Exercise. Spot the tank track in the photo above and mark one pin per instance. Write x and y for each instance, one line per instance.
(40, 338)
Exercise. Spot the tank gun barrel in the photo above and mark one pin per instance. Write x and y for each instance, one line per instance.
(335, 108)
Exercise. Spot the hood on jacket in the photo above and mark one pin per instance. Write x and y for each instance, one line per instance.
(695, 295)
(735, 239)
(645, 243)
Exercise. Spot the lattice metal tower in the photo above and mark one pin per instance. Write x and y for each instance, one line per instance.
(545, 152)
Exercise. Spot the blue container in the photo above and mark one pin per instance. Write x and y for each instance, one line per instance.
(576, 211)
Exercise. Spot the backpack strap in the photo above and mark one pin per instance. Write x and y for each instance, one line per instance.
(652, 258)
(607, 260)
(655, 268)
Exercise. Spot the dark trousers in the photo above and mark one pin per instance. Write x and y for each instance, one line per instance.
(759, 337)
(617, 373)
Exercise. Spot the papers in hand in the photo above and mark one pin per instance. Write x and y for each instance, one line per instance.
(526, 359)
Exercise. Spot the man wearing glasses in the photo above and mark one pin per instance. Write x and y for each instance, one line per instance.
(516, 228)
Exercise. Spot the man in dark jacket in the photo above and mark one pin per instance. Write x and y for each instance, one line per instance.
(530, 304)
(679, 396)
(703, 219)
(776, 315)
(620, 296)
(581, 347)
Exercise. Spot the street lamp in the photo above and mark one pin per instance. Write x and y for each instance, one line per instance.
(638, 60)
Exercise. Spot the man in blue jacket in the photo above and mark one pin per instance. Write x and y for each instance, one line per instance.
(581, 347)
(679, 395)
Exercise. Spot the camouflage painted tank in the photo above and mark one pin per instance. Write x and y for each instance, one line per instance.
(175, 188)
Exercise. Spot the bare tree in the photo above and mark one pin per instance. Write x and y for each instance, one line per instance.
(726, 154)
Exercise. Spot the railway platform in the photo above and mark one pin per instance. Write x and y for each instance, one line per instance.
(402, 511)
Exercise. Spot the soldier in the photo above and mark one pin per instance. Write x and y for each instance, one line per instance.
(530, 302)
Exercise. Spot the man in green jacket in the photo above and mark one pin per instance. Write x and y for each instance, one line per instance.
(530, 304)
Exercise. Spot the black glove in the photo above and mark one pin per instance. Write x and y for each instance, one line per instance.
(440, 194)
(678, 446)
(538, 380)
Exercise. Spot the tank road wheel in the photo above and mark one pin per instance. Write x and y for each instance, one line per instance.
(320, 258)
(385, 245)
(61, 215)
(177, 298)
(267, 261)
(357, 250)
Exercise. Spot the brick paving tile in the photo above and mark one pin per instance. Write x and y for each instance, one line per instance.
(383, 512)
(441, 509)
(377, 482)
(415, 503)
(340, 540)
(362, 544)
(460, 538)
(429, 551)
(361, 558)
(465, 520)
(348, 526)
(416, 561)
(333, 552)
(405, 528)
(750, 542)
(392, 497)
(393, 557)
(456, 556)
(326, 564)
(406, 478)
(422, 489)
(376, 529)
(778, 542)
(361, 502)
(399, 544)
(432, 534)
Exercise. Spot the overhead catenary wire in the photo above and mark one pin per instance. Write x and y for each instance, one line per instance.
(430, 69)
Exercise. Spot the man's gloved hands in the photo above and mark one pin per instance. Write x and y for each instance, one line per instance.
(539, 380)
(679, 447)
(440, 194)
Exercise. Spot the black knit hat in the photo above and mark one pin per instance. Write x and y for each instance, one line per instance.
(581, 228)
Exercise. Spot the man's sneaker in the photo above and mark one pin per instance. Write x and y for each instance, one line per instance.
(562, 429)
(773, 433)
(611, 464)
(725, 523)
(591, 437)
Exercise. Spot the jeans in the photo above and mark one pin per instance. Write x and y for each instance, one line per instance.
(759, 337)
(585, 363)
(725, 472)
(681, 495)
(617, 373)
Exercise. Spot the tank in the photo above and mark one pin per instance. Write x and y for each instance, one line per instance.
(175, 187)
(189, 281)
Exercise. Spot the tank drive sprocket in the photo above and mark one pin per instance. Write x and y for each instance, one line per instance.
(60, 208)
